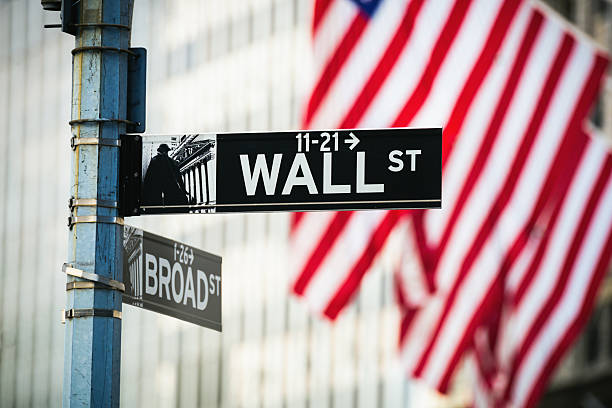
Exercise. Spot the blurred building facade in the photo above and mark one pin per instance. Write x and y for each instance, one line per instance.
(213, 66)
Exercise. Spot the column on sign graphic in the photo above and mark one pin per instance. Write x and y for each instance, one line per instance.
(132, 252)
(210, 177)
(196, 185)
(135, 263)
(195, 165)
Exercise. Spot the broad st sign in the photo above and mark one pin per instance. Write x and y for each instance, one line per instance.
(171, 278)
(292, 171)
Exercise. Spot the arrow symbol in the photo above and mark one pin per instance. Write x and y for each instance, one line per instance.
(354, 141)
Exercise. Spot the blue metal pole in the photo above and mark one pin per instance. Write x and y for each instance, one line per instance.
(92, 348)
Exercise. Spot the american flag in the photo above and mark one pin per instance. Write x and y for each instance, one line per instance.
(510, 266)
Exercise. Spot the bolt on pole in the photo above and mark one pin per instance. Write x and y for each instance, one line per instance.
(92, 348)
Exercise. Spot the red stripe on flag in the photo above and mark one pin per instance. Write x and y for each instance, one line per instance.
(320, 9)
(439, 52)
(384, 67)
(492, 132)
(405, 325)
(561, 60)
(479, 71)
(426, 253)
(554, 187)
(576, 150)
(490, 302)
(563, 278)
(464, 101)
(572, 332)
(486, 367)
(334, 65)
(399, 293)
(558, 171)
(495, 293)
(350, 284)
(326, 242)
(527, 143)
(585, 101)
(563, 175)
(296, 218)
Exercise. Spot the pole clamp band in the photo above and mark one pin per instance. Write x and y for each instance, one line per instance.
(102, 48)
(90, 202)
(102, 219)
(102, 120)
(94, 312)
(76, 141)
(92, 277)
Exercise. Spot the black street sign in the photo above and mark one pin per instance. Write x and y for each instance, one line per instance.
(291, 171)
(171, 278)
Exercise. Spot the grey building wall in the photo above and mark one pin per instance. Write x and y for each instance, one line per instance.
(34, 108)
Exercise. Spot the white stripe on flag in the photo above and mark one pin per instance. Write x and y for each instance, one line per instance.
(413, 59)
(420, 332)
(499, 160)
(339, 260)
(332, 29)
(413, 283)
(305, 238)
(467, 45)
(571, 303)
(359, 66)
(561, 238)
(475, 126)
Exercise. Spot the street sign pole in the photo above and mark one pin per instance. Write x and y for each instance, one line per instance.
(92, 350)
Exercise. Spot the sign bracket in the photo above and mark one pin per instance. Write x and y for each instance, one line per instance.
(136, 110)
(130, 169)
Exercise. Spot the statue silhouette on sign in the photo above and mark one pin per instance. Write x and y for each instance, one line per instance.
(163, 184)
